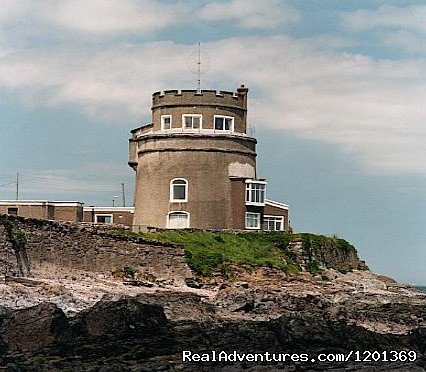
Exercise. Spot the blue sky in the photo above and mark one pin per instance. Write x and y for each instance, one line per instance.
(337, 95)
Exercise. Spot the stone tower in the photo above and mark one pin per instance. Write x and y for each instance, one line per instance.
(195, 164)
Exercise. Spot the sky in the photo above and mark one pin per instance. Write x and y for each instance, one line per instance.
(337, 101)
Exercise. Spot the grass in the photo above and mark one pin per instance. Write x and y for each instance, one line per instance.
(209, 252)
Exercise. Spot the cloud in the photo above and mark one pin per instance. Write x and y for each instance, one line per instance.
(95, 16)
(265, 14)
(106, 82)
(409, 17)
(109, 16)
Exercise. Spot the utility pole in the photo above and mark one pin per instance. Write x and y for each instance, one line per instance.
(17, 186)
(123, 195)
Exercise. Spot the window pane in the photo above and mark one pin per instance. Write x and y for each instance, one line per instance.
(218, 123)
(179, 182)
(195, 122)
(252, 220)
(166, 122)
(179, 192)
(188, 122)
(228, 123)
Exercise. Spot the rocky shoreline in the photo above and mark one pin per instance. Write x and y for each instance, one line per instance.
(73, 314)
(138, 328)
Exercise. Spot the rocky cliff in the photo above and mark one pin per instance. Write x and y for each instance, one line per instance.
(74, 313)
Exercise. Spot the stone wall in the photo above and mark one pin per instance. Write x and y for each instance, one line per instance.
(68, 246)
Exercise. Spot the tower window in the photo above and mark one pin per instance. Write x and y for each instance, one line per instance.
(178, 220)
(192, 121)
(255, 192)
(224, 123)
(166, 122)
(178, 190)
(252, 220)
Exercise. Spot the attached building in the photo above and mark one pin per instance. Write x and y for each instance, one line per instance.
(115, 215)
(44, 209)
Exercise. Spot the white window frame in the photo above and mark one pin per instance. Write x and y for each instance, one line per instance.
(249, 189)
(280, 218)
(192, 115)
(252, 227)
(104, 215)
(182, 212)
(223, 117)
(172, 199)
(162, 121)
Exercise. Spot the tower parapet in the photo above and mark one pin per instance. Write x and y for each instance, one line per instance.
(173, 98)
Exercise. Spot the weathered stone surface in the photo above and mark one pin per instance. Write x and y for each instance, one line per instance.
(65, 246)
(135, 333)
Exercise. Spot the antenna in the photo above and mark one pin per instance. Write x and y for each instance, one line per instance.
(199, 63)
(199, 68)
(17, 186)
(123, 195)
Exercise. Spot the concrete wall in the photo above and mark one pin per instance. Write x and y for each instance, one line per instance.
(238, 203)
(68, 213)
(209, 187)
(204, 161)
(34, 211)
(72, 246)
(47, 211)
(207, 102)
(207, 113)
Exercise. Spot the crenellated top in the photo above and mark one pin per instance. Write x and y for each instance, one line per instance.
(172, 98)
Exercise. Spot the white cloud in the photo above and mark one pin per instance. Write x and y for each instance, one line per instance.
(409, 17)
(94, 16)
(250, 14)
(109, 16)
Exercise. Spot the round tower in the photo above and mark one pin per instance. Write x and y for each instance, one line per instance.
(187, 159)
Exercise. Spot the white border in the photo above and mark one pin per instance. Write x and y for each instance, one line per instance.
(172, 200)
(162, 122)
(188, 129)
(109, 209)
(276, 204)
(252, 228)
(184, 212)
(225, 117)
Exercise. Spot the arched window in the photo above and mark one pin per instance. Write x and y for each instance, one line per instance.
(178, 190)
(178, 220)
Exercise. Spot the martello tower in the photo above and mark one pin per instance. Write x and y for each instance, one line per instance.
(196, 166)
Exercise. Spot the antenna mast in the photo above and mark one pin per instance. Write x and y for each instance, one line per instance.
(199, 63)
(17, 186)
(199, 69)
